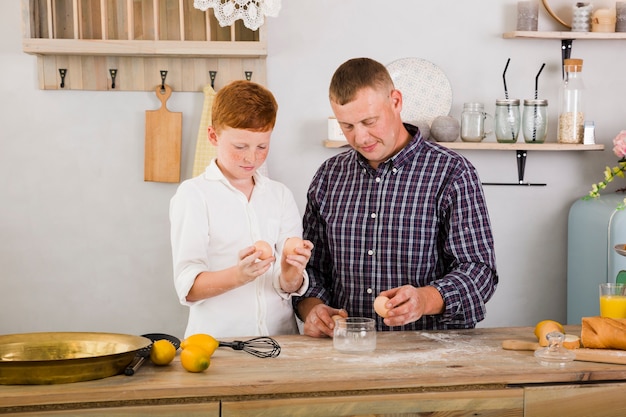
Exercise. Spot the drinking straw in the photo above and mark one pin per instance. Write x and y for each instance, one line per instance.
(535, 106)
(537, 80)
(506, 95)
(506, 91)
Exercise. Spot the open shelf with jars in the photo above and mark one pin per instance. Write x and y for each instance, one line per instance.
(521, 149)
(128, 44)
(496, 146)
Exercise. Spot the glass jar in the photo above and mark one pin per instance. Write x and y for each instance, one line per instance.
(535, 121)
(507, 120)
(473, 120)
(571, 114)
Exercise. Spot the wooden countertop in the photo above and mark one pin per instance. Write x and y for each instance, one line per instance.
(403, 362)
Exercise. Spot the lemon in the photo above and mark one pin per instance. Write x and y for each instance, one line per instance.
(162, 352)
(205, 341)
(195, 359)
(546, 326)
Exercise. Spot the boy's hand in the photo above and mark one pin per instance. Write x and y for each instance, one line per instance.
(250, 266)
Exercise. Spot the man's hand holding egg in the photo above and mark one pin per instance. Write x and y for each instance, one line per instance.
(380, 306)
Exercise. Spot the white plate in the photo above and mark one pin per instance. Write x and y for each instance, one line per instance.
(621, 249)
(426, 90)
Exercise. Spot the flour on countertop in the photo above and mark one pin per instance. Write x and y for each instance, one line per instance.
(449, 346)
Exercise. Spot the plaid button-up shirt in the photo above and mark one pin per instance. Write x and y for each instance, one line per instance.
(419, 219)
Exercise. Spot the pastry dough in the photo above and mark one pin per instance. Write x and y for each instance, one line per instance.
(603, 333)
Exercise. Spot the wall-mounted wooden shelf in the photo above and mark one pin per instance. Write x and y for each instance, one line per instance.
(80, 44)
(496, 146)
(521, 149)
(567, 38)
(564, 35)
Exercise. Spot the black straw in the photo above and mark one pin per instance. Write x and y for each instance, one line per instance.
(506, 91)
(536, 96)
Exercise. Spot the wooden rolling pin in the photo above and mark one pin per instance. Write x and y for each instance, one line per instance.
(582, 354)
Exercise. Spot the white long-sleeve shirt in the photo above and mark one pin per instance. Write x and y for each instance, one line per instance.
(211, 221)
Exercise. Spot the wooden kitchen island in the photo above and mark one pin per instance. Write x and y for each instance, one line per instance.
(453, 373)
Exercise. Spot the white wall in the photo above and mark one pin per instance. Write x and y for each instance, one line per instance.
(84, 241)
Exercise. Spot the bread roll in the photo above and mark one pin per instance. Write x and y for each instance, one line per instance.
(603, 333)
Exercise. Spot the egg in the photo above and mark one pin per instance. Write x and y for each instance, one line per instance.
(264, 247)
(379, 306)
(291, 244)
(336, 317)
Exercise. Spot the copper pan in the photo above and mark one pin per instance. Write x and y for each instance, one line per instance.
(61, 357)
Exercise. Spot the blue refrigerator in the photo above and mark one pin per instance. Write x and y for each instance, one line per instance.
(594, 228)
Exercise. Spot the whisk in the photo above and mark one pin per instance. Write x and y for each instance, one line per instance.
(261, 347)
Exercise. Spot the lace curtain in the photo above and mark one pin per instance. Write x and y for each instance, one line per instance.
(252, 12)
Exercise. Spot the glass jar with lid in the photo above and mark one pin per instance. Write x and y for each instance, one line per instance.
(571, 114)
(507, 120)
(535, 120)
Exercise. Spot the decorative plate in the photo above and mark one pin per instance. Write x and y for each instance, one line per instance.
(426, 90)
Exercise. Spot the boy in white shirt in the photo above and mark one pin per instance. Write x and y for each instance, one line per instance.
(217, 217)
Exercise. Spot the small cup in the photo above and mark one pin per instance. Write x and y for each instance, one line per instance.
(613, 300)
(527, 15)
(355, 335)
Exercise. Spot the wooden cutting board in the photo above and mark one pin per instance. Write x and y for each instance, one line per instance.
(163, 141)
(582, 354)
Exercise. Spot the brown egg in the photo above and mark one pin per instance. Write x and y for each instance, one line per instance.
(265, 248)
(379, 306)
(336, 317)
(291, 244)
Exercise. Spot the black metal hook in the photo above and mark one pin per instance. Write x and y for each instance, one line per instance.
(248, 75)
(163, 76)
(62, 73)
(113, 72)
(212, 74)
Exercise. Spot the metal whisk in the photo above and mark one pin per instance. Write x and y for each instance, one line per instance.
(261, 347)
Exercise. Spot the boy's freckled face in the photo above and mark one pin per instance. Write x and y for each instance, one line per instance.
(240, 152)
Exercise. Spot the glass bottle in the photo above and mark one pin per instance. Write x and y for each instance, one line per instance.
(507, 120)
(571, 114)
(535, 121)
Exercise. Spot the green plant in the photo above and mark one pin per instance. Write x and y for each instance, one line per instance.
(610, 173)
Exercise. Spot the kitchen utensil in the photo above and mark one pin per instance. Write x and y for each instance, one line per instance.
(426, 91)
(261, 347)
(581, 354)
(62, 357)
(144, 353)
(163, 141)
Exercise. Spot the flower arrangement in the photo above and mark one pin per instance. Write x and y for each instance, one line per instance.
(619, 148)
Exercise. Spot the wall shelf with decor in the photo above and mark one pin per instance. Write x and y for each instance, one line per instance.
(520, 148)
(126, 45)
(566, 37)
(496, 146)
